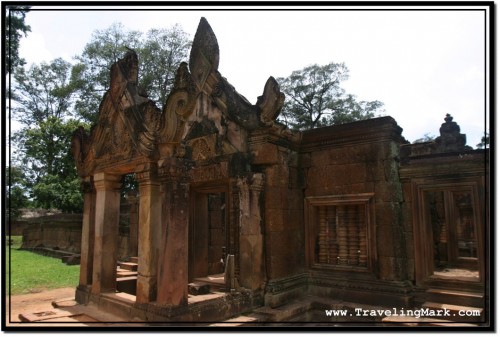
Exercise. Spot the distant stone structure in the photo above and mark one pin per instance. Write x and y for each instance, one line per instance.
(238, 214)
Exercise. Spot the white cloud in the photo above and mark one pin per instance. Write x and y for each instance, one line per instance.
(33, 48)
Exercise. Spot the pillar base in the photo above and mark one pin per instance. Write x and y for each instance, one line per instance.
(146, 289)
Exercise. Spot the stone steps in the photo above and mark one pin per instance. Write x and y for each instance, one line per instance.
(215, 282)
(456, 297)
(128, 266)
(283, 313)
(127, 284)
(237, 321)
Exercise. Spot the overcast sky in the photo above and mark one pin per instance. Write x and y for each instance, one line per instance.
(422, 64)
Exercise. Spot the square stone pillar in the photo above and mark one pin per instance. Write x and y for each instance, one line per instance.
(252, 262)
(173, 266)
(107, 217)
(149, 233)
(88, 230)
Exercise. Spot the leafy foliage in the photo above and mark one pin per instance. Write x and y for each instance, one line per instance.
(426, 138)
(314, 98)
(485, 141)
(16, 197)
(45, 95)
(15, 28)
(53, 99)
(159, 57)
(43, 91)
(160, 53)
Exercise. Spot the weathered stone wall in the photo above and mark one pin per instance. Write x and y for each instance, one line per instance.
(64, 232)
(350, 162)
(61, 232)
(363, 157)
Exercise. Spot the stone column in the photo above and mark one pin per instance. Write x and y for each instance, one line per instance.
(88, 230)
(107, 216)
(149, 233)
(252, 271)
(173, 267)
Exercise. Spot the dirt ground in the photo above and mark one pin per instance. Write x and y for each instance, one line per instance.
(35, 302)
(67, 315)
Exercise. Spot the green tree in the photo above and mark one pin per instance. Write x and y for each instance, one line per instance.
(15, 28)
(426, 138)
(43, 91)
(92, 71)
(160, 52)
(485, 141)
(16, 197)
(314, 98)
(45, 96)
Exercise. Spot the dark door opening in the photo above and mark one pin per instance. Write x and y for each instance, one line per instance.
(208, 235)
(450, 214)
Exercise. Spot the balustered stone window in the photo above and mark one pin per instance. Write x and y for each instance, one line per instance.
(338, 231)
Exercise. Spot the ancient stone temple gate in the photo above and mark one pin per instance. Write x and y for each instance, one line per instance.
(191, 161)
(231, 198)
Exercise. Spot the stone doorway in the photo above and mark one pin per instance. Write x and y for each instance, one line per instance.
(208, 235)
(450, 214)
(451, 235)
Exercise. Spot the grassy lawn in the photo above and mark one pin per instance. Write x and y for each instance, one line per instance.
(30, 272)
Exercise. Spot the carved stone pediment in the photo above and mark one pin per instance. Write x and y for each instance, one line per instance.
(202, 103)
(201, 93)
(127, 125)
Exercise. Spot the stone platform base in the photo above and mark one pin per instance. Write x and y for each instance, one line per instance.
(207, 308)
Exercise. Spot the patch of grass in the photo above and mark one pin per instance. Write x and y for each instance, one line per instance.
(30, 272)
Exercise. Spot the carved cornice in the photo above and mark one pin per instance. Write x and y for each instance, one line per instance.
(286, 284)
(146, 172)
(380, 129)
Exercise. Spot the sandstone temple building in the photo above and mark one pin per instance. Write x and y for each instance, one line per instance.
(239, 216)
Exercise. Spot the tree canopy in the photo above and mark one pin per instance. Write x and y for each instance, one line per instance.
(52, 99)
(15, 28)
(160, 52)
(315, 98)
(45, 95)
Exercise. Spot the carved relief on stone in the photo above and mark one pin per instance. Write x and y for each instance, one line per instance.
(204, 56)
(127, 125)
(201, 92)
(211, 172)
(271, 101)
(203, 148)
(80, 144)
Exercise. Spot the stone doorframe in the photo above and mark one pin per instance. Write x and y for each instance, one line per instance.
(100, 232)
(423, 236)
